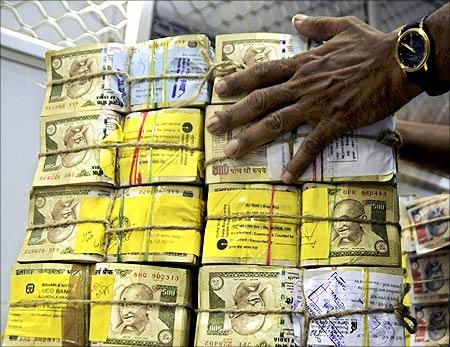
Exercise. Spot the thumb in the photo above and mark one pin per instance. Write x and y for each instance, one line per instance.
(318, 28)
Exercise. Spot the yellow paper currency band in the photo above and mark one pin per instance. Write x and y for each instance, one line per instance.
(40, 321)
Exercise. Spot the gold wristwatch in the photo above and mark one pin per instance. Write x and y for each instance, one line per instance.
(415, 54)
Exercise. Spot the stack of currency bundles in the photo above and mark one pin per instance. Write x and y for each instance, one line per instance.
(161, 224)
(48, 305)
(266, 306)
(67, 224)
(87, 78)
(169, 70)
(74, 136)
(427, 232)
(252, 224)
(264, 164)
(164, 146)
(350, 224)
(248, 49)
(139, 305)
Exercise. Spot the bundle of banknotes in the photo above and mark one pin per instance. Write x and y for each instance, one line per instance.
(354, 156)
(252, 224)
(265, 306)
(425, 237)
(350, 224)
(127, 304)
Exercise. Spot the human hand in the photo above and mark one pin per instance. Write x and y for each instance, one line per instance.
(350, 81)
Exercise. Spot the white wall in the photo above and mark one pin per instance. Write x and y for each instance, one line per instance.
(21, 100)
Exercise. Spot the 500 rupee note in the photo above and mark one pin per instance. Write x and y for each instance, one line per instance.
(241, 287)
(432, 325)
(252, 48)
(99, 90)
(78, 242)
(133, 323)
(373, 239)
(69, 133)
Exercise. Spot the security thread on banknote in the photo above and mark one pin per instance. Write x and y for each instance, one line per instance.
(432, 325)
(429, 219)
(347, 289)
(356, 156)
(429, 277)
(248, 287)
(186, 57)
(174, 217)
(153, 307)
(71, 134)
(50, 324)
(249, 49)
(104, 87)
(77, 242)
(175, 147)
(264, 164)
(252, 224)
(372, 240)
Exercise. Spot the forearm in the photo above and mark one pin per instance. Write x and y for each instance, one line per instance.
(438, 24)
(425, 144)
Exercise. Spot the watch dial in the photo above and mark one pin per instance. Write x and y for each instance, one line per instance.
(412, 49)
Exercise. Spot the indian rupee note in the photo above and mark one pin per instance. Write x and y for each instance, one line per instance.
(167, 163)
(78, 242)
(432, 235)
(51, 324)
(341, 289)
(134, 323)
(65, 132)
(432, 325)
(249, 49)
(372, 240)
(252, 224)
(264, 164)
(353, 156)
(178, 55)
(174, 208)
(429, 277)
(247, 287)
(408, 244)
(102, 91)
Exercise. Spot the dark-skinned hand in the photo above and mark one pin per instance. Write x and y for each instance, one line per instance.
(350, 81)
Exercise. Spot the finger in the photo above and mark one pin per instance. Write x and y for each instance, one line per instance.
(256, 76)
(267, 129)
(311, 146)
(258, 103)
(320, 28)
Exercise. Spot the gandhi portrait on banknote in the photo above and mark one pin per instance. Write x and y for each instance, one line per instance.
(437, 326)
(135, 318)
(434, 276)
(65, 210)
(78, 136)
(79, 87)
(255, 55)
(250, 297)
(349, 234)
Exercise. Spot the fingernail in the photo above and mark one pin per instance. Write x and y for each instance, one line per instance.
(231, 147)
(287, 177)
(221, 87)
(212, 124)
(299, 18)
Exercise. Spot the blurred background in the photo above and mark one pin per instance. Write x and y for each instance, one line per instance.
(29, 28)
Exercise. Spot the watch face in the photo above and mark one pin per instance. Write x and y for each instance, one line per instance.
(412, 49)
